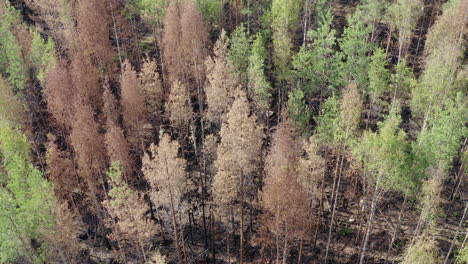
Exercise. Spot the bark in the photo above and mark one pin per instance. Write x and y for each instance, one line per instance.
(456, 234)
(395, 231)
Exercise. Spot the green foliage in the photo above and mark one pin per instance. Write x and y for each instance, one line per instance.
(316, 64)
(385, 155)
(372, 11)
(355, 48)
(379, 75)
(151, 11)
(42, 55)
(12, 64)
(298, 110)
(437, 144)
(211, 10)
(402, 81)
(259, 87)
(423, 251)
(239, 51)
(27, 199)
(120, 191)
(463, 254)
(285, 13)
(328, 120)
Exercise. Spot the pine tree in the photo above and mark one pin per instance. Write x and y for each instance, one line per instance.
(167, 178)
(259, 87)
(177, 107)
(238, 157)
(11, 108)
(286, 203)
(12, 64)
(152, 87)
(239, 51)
(42, 55)
(130, 226)
(133, 107)
(316, 64)
(86, 81)
(298, 110)
(118, 149)
(379, 75)
(221, 81)
(171, 39)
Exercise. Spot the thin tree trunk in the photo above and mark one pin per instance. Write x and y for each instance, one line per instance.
(241, 250)
(300, 252)
(369, 223)
(456, 234)
(285, 246)
(175, 227)
(142, 250)
(395, 231)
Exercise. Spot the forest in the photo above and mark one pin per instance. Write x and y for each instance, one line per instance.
(233, 131)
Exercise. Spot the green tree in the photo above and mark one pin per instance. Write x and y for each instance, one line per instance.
(26, 201)
(42, 55)
(298, 110)
(12, 64)
(316, 64)
(259, 87)
(402, 81)
(239, 52)
(328, 120)
(424, 251)
(379, 75)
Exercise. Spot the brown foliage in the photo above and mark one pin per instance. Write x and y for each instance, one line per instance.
(172, 52)
(86, 80)
(351, 110)
(92, 28)
(287, 213)
(177, 107)
(110, 109)
(62, 239)
(61, 171)
(194, 39)
(222, 81)
(59, 94)
(11, 108)
(133, 105)
(88, 145)
(152, 87)
(118, 148)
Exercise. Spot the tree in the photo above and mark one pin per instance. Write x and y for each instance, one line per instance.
(287, 213)
(26, 199)
(379, 75)
(444, 49)
(92, 29)
(178, 108)
(88, 144)
(11, 108)
(12, 64)
(221, 81)
(118, 149)
(152, 87)
(86, 81)
(194, 38)
(316, 64)
(298, 110)
(171, 39)
(130, 226)
(58, 92)
(134, 107)
(402, 81)
(328, 120)
(403, 15)
(239, 51)
(167, 178)
(42, 55)
(385, 156)
(350, 111)
(238, 158)
(258, 86)
(425, 250)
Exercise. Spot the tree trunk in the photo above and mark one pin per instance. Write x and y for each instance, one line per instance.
(174, 225)
(456, 234)
(369, 223)
(300, 252)
(395, 231)
(241, 250)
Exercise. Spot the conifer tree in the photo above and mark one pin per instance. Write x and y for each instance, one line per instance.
(259, 87)
(403, 15)
(131, 228)
(283, 198)
(152, 86)
(238, 157)
(379, 75)
(166, 175)
(444, 49)
(221, 81)
(85, 76)
(298, 110)
(42, 55)
(171, 39)
(11, 108)
(118, 149)
(133, 106)
(177, 107)
(316, 64)
(12, 64)
(239, 51)
(58, 92)
(194, 39)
